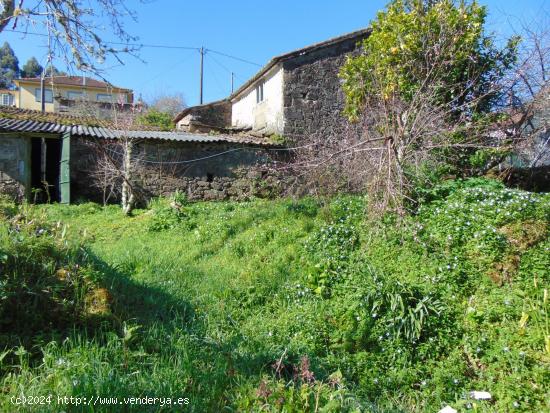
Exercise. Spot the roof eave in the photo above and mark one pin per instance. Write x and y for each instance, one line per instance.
(296, 53)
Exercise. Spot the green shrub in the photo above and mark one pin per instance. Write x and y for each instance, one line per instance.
(170, 213)
(46, 286)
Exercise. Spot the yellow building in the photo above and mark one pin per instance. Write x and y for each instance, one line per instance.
(67, 88)
(7, 97)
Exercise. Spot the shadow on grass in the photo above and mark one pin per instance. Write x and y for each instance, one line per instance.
(171, 326)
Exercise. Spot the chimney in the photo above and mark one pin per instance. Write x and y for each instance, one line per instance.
(84, 80)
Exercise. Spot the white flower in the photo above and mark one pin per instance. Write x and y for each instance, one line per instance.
(480, 395)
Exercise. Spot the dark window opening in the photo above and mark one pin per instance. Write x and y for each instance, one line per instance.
(45, 160)
(260, 93)
(209, 177)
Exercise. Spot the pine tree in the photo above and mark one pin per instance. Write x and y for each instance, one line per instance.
(32, 68)
(9, 66)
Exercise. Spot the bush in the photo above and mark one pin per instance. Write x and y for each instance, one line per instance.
(170, 213)
(45, 286)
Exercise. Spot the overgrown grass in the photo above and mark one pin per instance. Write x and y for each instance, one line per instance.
(293, 305)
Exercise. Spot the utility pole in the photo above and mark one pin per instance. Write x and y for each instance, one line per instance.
(232, 81)
(42, 91)
(202, 75)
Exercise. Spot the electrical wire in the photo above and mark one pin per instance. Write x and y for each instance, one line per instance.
(155, 46)
(212, 156)
(172, 67)
(216, 80)
(234, 57)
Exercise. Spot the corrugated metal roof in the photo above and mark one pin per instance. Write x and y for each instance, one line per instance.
(33, 126)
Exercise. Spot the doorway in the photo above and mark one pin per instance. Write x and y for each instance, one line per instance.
(45, 169)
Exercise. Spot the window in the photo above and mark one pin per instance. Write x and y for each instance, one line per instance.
(6, 99)
(260, 93)
(104, 97)
(48, 95)
(122, 98)
(72, 95)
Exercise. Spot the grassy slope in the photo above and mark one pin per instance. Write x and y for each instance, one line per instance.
(406, 320)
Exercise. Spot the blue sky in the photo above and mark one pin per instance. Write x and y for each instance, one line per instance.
(248, 29)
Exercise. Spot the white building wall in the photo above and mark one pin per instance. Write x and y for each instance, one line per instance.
(267, 115)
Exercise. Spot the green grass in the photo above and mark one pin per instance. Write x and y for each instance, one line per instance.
(290, 305)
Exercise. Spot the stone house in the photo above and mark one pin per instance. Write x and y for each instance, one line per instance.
(295, 94)
(62, 151)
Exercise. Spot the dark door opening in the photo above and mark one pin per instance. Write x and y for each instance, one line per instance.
(45, 160)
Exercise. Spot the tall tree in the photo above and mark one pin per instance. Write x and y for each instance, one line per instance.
(32, 68)
(425, 89)
(9, 66)
(76, 30)
(416, 42)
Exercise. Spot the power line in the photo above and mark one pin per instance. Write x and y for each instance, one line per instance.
(172, 67)
(216, 80)
(201, 50)
(234, 57)
(154, 46)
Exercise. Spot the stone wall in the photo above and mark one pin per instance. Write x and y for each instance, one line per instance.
(199, 118)
(313, 96)
(240, 172)
(14, 156)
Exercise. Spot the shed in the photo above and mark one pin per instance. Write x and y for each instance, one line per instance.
(39, 150)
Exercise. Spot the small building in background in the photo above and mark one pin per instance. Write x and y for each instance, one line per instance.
(294, 95)
(70, 94)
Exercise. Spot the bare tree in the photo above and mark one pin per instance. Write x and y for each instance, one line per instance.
(529, 93)
(116, 164)
(75, 30)
(171, 103)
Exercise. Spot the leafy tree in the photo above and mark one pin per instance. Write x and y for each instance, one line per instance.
(154, 117)
(32, 68)
(425, 88)
(415, 42)
(9, 66)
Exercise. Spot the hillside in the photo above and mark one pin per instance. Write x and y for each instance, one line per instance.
(287, 305)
